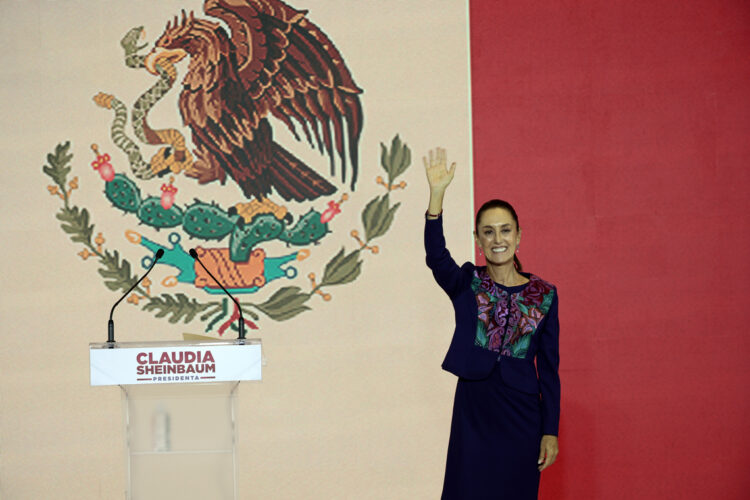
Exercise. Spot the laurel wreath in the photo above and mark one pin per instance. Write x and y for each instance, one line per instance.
(287, 302)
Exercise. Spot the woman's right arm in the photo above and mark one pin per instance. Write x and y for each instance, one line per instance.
(447, 273)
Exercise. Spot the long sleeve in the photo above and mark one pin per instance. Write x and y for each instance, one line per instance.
(548, 362)
(445, 270)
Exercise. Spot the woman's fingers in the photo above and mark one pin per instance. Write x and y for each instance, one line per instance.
(548, 460)
(435, 158)
(438, 173)
(548, 451)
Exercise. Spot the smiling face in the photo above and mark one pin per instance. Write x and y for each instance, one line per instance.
(497, 235)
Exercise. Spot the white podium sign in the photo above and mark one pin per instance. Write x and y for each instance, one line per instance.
(131, 363)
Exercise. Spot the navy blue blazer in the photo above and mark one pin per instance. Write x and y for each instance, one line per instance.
(468, 360)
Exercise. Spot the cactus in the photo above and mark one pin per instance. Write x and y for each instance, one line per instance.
(208, 221)
(263, 228)
(150, 212)
(123, 193)
(309, 229)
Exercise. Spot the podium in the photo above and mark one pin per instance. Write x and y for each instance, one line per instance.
(179, 412)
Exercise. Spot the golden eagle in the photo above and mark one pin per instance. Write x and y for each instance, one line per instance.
(276, 62)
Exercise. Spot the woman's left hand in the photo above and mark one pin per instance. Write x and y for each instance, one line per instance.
(547, 451)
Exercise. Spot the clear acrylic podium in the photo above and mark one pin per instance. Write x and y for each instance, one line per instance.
(179, 413)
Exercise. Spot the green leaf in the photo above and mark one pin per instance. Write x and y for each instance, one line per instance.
(215, 309)
(345, 274)
(397, 160)
(386, 221)
(397, 153)
(342, 269)
(285, 303)
(371, 216)
(333, 263)
(404, 164)
(116, 273)
(247, 312)
(175, 308)
(287, 313)
(281, 296)
(384, 158)
(75, 222)
(378, 216)
(58, 168)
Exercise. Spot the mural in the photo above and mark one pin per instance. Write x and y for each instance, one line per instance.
(273, 63)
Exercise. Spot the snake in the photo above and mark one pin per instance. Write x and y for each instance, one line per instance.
(174, 157)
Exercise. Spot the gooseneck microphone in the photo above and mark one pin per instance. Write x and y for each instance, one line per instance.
(241, 320)
(111, 324)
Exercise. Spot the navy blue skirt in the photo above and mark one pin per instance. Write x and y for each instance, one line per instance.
(494, 442)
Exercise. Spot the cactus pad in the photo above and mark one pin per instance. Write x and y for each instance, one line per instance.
(308, 230)
(208, 221)
(262, 228)
(153, 214)
(123, 193)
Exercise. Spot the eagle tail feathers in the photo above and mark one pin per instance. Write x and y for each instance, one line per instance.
(293, 180)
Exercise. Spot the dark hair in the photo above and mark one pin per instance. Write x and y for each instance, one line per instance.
(507, 206)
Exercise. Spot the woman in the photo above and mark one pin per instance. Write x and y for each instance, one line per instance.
(505, 418)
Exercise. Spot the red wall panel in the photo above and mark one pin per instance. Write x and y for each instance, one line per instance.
(620, 130)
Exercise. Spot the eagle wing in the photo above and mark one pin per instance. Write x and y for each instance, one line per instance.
(293, 71)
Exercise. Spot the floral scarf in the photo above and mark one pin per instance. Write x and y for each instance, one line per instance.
(507, 322)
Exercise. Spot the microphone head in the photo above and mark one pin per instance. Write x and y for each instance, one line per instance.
(193, 254)
(159, 254)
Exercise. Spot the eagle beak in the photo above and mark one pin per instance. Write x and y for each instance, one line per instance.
(156, 55)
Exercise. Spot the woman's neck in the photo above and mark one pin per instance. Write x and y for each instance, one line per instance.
(506, 274)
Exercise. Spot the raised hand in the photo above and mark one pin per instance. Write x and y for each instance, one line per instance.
(438, 177)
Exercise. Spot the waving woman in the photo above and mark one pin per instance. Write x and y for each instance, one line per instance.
(504, 352)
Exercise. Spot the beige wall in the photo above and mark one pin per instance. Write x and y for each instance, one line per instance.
(353, 403)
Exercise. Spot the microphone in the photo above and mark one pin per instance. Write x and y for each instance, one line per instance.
(111, 324)
(241, 320)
